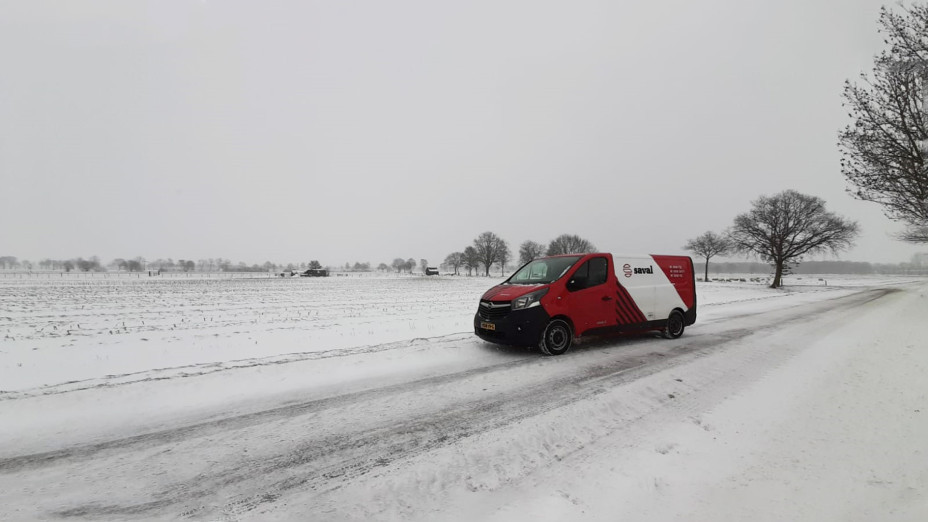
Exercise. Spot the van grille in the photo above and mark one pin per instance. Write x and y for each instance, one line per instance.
(491, 311)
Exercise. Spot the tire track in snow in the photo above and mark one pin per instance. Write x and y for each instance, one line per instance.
(196, 370)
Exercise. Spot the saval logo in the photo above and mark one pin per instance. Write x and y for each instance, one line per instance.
(628, 270)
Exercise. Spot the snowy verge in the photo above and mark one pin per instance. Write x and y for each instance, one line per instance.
(825, 422)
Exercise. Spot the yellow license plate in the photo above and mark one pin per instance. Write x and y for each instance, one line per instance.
(488, 326)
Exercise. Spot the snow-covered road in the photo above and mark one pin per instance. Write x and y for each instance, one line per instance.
(810, 406)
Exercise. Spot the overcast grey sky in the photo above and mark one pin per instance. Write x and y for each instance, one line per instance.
(369, 130)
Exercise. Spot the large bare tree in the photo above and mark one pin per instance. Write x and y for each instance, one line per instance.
(570, 244)
(529, 250)
(884, 150)
(489, 247)
(780, 229)
(708, 246)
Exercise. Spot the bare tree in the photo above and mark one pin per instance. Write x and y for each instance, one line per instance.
(487, 246)
(780, 229)
(471, 259)
(570, 244)
(455, 260)
(708, 246)
(529, 250)
(423, 264)
(87, 265)
(884, 151)
(503, 255)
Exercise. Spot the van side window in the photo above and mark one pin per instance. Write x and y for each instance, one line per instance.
(580, 277)
(599, 267)
(591, 273)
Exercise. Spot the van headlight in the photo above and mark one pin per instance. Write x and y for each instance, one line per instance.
(529, 300)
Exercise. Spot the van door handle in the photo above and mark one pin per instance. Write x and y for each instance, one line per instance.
(607, 298)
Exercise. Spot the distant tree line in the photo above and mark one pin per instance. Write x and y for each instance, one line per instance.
(140, 264)
(8, 262)
(218, 264)
(821, 267)
(918, 265)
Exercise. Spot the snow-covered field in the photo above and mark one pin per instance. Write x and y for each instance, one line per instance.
(66, 333)
(76, 329)
(351, 398)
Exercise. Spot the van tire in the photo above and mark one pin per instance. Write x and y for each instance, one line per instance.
(675, 324)
(556, 338)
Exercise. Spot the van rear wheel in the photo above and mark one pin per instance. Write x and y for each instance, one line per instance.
(556, 338)
(674, 328)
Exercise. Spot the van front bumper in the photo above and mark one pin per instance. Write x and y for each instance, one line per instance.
(518, 328)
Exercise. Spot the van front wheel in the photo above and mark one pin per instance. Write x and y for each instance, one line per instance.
(674, 328)
(556, 338)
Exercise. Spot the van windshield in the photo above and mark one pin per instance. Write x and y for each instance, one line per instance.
(543, 271)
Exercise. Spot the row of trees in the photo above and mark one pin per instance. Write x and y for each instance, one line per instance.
(79, 263)
(403, 265)
(488, 250)
(780, 230)
(140, 264)
(884, 158)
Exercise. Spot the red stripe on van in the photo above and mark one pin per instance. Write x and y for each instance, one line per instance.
(627, 312)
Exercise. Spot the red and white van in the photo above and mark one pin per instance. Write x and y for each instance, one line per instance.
(551, 300)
